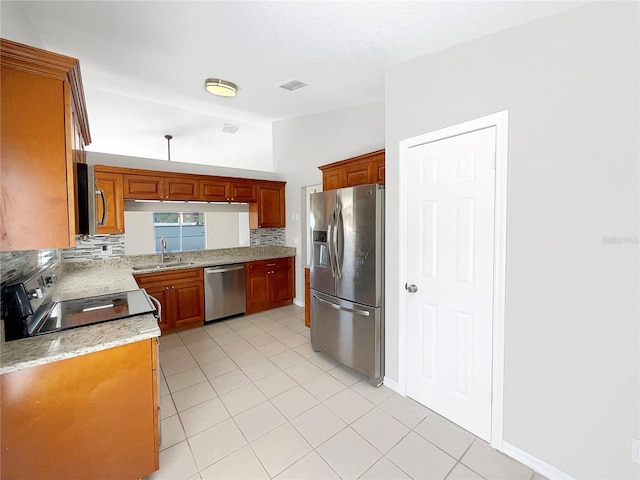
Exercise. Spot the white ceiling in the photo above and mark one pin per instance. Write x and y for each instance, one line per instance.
(144, 63)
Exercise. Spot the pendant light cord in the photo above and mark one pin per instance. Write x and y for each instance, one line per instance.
(168, 137)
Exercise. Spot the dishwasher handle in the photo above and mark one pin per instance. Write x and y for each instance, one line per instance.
(208, 271)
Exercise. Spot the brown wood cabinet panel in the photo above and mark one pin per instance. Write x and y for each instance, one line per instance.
(269, 211)
(112, 186)
(214, 190)
(91, 416)
(257, 293)
(181, 294)
(181, 188)
(188, 304)
(243, 191)
(361, 170)
(160, 293)
(143, 187)
(39, 113)
(380, 172)
(332, 179)
(270, 284)
(222, 190)
(307, 297)
(358, 174)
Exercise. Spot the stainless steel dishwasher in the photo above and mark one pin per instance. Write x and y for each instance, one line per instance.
(224, 291)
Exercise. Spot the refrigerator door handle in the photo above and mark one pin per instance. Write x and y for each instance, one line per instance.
(338, 241)
(330, 245)
(364, 313)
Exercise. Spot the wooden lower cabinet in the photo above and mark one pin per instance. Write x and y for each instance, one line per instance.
(181, 294)
(270, 284)
(307, 297)
(91, 416)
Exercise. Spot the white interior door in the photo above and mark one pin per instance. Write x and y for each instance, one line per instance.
(450, 259)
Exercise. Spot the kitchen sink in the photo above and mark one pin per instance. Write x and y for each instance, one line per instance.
(159, 266)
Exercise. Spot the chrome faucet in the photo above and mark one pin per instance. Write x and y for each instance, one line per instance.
(163, 241)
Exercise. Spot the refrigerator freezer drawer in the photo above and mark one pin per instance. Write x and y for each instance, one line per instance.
(351, 333)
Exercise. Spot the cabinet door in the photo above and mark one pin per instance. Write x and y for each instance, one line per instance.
(181, 189)
(332, 179)
(278, 286)
(143, 187)
(307, 297)
(187, 305)
(359, 174)
(270, 209)
(35, 209)
(87, 417)
(257, 292)
(243, 192)
(112, 186)
(214, 190)
(161, 293)
(380, 173)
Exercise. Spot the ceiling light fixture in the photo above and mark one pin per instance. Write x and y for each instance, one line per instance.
(220, 87)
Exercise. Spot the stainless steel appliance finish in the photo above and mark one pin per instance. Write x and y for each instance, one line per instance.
(87, 194)
(347, 277)
(224, 291)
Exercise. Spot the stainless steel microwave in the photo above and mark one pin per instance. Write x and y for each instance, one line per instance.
(86, 201)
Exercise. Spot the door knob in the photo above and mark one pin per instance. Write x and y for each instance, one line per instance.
(411, 288)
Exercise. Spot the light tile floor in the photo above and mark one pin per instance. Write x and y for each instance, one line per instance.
(248, 398)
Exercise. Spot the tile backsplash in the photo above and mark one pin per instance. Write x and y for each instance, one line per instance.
(112, 246)
(19, 263)
(94, 248)
(267, 236)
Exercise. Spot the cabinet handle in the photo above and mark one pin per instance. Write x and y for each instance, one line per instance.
(271, 264)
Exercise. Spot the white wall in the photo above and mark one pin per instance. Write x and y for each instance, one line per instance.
(138, 237)
(302, 144)
(571, 85)
(222, 229)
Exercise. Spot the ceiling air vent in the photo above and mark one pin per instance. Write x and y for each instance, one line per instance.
(292, 85)
(228, 128)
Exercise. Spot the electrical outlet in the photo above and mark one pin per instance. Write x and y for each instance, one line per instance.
(106, 250)
(635, 450)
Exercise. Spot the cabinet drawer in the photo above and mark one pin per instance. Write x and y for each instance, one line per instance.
(169, 278)
(264, 265)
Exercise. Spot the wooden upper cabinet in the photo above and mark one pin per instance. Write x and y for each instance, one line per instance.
(43, 130)
(143, 187)
(112, 186)
(361, 170)
(269, 210)
(243, 191)
(223, 190)
(181, 188)
(154, 187)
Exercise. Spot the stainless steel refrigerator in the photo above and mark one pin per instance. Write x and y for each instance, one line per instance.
(347, 277)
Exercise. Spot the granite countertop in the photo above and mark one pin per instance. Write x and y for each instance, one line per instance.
(98, 277)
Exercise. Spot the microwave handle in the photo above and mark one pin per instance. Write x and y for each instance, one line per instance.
(104, 208)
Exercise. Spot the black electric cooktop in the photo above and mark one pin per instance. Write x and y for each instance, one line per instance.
(91, 310)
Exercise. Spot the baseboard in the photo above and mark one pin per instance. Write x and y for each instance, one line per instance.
(537, 465)
(298, 302)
